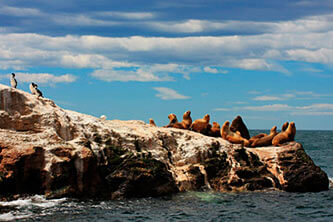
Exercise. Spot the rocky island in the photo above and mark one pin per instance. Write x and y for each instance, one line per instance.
(47, 150)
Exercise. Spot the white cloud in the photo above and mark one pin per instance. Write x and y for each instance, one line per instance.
(211, 70)
(307, 39)
(128, 15)
(196, 26)
(42, 78)
(318, 106)
(312, 113)
(82, 20)
(273, 107)
(267, 98)
(111, 75)
(14, 11)
(222, 109)
(315, 109)
(169, 94)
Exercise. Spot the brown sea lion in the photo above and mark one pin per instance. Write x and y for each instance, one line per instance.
(152, 122)
(284, 126)
(285, 136)
(201, 125)
(172, 120)
(215, 130)
(238, 125)
(253, 138)
(185, 123)
(266, 140)
(232, 137)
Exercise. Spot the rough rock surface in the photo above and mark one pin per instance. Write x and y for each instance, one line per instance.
(48, 150)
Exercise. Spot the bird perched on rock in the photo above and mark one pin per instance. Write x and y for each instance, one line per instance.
(34, 90)
(13, 81)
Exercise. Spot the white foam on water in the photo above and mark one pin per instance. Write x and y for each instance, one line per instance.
(37, 200)
(330, 182)
(10, 216)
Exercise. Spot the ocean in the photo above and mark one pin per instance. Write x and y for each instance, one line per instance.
(268, 205)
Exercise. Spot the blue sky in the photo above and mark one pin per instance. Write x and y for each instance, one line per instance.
(268, 61)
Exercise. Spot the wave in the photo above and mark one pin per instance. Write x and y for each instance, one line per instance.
(23, 208)
(10, 216)
(37, 200)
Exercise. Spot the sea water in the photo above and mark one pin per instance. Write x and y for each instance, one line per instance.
(194, 206)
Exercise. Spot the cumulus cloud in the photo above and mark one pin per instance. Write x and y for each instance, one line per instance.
(196, 26)
(42, 78)
(307, 39)
(169, 94)
(213, 70)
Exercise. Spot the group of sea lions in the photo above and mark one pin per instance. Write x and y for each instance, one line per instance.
(237, 133)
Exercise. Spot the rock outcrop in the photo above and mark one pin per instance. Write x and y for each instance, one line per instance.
(48, 150)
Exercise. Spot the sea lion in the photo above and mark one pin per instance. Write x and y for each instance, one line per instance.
(187, 119)
(231, 136)
(152, 122)
(215, 130)
(172, 120)
(201, 125)
(185, 123)
(253, 138)
(285, 136)
(284, 126)
(13, 82)
(238, 125)
(266, 140)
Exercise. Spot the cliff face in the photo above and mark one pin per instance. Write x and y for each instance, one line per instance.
(56, 152)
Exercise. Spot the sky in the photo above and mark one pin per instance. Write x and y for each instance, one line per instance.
(268, 61)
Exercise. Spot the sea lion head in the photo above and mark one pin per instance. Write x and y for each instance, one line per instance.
(173, 118)
(273, 130)
(284, 126)
(292, 126)
(216, 125)
(187, 114)
(207, 117)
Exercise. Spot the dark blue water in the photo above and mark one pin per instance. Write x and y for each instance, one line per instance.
(196, 206)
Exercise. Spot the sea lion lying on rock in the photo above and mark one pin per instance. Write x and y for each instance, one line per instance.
(238, 125)
(265, 140)
(172, 120)
(215, 130)
(185, 123)
(285, 136)
(253, 138)
(201, 125)
(232, 137)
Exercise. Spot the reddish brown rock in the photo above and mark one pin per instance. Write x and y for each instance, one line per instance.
(60, 153)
